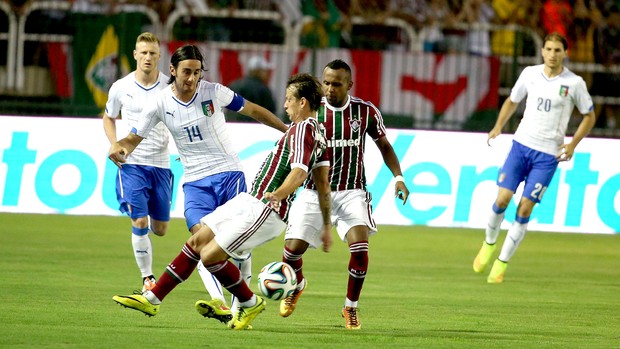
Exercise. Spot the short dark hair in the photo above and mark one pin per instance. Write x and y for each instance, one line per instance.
(555, 36)
(308, 87)
(184, 53)
(339, 64)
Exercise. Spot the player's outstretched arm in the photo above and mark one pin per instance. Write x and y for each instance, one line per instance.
(263, 115)
(121, 149)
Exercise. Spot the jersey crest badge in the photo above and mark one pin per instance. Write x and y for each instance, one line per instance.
(563, 90)
(501, 178)
(355, 124)
(207, 108)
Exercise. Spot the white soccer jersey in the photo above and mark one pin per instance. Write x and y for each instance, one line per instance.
(548, 108)
(198, 129)
(127, 98)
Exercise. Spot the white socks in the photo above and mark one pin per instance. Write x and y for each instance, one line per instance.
(515, 235)
(493, 227)
(211, 284)
(143, 251)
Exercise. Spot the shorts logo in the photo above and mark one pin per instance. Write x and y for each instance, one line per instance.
(207, 108)
(502, 176)
(563, 90)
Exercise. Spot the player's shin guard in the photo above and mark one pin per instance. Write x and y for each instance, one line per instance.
(230, 277)
(358, 265)
(142, 250)
(211, 284)
(295, 261)
(245, 267)
(176, 272)
(515, 235)
(493, 225)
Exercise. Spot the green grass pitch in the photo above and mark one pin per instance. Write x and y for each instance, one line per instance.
(59, 273)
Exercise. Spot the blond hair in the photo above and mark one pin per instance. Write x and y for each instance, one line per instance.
(147, 37)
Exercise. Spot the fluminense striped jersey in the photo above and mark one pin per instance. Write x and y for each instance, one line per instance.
(198, 128)
(302, 146)
(128, 98)
(345, 130)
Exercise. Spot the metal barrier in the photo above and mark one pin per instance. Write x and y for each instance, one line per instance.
(11, 38)
(17, 52)
(13, 82)
(290, 40)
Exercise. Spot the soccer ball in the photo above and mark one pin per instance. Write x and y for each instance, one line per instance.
(277, 280)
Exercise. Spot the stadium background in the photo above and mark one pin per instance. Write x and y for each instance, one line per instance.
(59, 271)
(62, 57)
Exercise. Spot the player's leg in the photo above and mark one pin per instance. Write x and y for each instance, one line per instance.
(357, 238)
(292, 255)
(159, 202)
(132, 192)
(143, 251)
(538, 179)
(200, 200)
(230, 277)
(245, 267)
(510, 175)
(176, 272)
(303, 231)
(239, 226)
(354, 224)
(515, 235)
(485, 254)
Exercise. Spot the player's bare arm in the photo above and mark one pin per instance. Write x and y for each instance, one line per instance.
(320, 175)
(263, 116)
(567, 150)
(121, 149)
(294, 179)
(508, 108)
(391, 161)
(109, 127)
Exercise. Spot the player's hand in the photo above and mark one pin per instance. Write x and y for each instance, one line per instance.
(118, 154)
(401, 191)
(566, 152)
(492, 134)
(274, 200)
(326, 237)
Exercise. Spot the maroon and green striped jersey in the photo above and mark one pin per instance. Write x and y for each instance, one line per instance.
(345, 131)
(303, 146)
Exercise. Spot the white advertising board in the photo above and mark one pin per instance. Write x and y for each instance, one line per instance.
(60, 165)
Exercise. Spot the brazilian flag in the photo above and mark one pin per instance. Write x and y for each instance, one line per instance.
(102, 53)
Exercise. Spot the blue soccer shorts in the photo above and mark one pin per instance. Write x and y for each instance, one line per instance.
(144, 191)
(525, 164)
(205, 195)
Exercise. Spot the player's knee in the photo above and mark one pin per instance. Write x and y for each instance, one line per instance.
(159, 228)
(140, 223)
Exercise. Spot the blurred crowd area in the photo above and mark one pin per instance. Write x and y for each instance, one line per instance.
(509, 29)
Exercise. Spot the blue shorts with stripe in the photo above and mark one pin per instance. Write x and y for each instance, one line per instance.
(144, 191)
(526, 164)
(205, 195)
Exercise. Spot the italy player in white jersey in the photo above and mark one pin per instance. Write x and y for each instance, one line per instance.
(347, 121)
(144, 184)
(552, 92)
(250, 220)
(192, 110)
